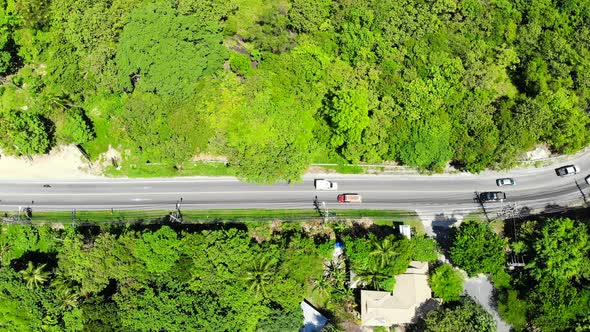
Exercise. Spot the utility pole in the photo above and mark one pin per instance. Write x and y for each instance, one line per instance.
(177, 215)
(74, 217)
(513, 211)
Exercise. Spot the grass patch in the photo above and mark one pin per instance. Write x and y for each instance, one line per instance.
(98, 216)
(168, 170)
(345, 169)
(295, 214)
(102, 141)
(199, 216)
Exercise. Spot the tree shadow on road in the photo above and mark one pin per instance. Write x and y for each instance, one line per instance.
(442, 228)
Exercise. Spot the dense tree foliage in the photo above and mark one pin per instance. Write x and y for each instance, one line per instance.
(552, 292)
(23, 133)
(275, 85)
(477, 249)
(166, 53)
(463, 316)
(195, 277)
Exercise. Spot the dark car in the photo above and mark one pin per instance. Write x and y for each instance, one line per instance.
(492, 196)
(567, 170)
(505, 182)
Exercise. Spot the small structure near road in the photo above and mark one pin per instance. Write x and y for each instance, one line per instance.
(398, 307)
(313, 320)
(406, 231)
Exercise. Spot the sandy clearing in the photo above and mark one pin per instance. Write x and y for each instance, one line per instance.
(63, 162)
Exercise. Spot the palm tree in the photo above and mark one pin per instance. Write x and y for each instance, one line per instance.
(67, 295)
(67, 298)
(384, 251)
(4, 250)
(372, 276)
(34, 276)
(260, 275)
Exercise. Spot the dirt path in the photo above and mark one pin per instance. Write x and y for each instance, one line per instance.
(480, 289)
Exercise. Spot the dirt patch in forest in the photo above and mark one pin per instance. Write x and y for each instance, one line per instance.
(62, 162)
(541, 151)
(111, 158)
(364, 222)
(319, 170)
(205, 157)
(317, 227)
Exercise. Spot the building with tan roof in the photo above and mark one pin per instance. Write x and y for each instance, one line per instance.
(398, 307)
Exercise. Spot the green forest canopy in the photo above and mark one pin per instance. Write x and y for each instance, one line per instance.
(550, 293)
(222, 277)
(274, 85)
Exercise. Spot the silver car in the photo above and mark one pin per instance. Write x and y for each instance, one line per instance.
(505, 182)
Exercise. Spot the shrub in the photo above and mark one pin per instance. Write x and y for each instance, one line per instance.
(240, 64)
(512, 309)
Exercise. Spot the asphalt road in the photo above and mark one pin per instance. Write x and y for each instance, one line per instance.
(536, 188)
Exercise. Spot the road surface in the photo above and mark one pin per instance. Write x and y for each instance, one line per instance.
(536, 188)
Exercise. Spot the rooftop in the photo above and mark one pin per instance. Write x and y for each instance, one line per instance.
(398, 307)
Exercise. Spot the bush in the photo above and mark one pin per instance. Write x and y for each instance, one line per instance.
(240, 64)
(425, 249)
(77, 129)
(447, 283)
(501, 279)
(23, 134)
(512, 309)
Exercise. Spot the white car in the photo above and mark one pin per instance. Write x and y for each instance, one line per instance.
(321, 184)
(588, 179)
(567, 170)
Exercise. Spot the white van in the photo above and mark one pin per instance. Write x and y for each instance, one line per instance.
(321, 184)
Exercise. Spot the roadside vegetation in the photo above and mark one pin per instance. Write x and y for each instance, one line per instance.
(380, 217)
(551, 290)
(223, 277)
(464, 315)
(273, 86)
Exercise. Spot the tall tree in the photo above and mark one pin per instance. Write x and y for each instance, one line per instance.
(477, 249)
(562, 251)
(372, 276)
(164, 52)
(384, 250)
